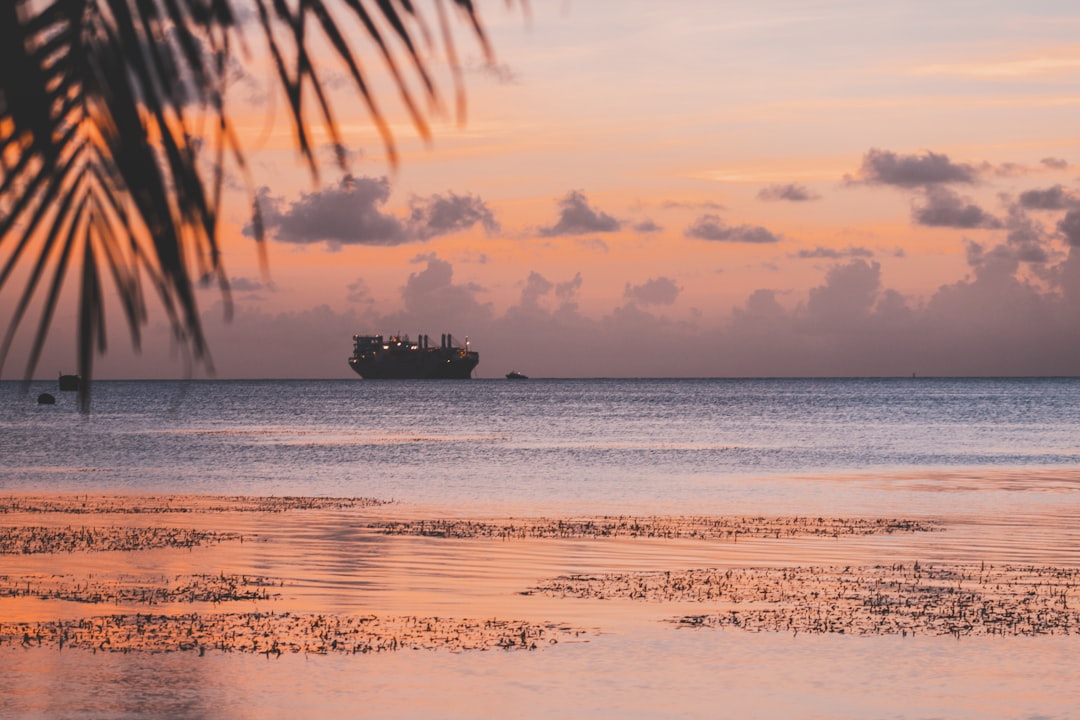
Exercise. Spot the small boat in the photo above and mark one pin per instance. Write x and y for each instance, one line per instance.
(69, 383)
(515, 375)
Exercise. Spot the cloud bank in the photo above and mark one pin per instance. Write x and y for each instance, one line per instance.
(993, 322)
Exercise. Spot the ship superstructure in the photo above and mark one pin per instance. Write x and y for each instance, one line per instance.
(398, 358)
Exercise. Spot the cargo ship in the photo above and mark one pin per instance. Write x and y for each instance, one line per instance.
(398, 358)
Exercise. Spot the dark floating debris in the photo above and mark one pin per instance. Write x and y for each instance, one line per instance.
(275, 634)
(729, 528)
(900, 599)
(46, 399)
(154, 504)
(34, 540)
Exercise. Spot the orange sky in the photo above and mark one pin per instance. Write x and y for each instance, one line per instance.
(696, 173)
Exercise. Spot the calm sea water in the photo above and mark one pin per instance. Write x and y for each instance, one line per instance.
(589, 444)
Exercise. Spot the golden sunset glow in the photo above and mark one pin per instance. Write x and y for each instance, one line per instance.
(657, 165)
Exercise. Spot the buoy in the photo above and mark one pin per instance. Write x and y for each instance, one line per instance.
(46, 399)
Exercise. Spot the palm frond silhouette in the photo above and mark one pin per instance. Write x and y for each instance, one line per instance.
(105, 172)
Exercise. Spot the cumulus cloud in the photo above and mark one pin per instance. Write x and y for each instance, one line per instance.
(827, 253)
(647, 226)
(1026, 237)
(1069, 228)
(443, 215)
(762, 303)
(654, 291)
(1055, 163)
(568, 290)
(847, 296)
(711, 227)
(351, 213)
(1032, 254)
(534, 309)
(944, 208)
(536, 287)
(359, 292)
(994, 323)
(432, 294)
(1056, 197)
(576, 217)
(884, 167)
(996, 311)
(790, 192)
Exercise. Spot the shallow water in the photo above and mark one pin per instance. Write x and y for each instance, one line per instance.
(994, 460)
(700, 674)
(630, 665)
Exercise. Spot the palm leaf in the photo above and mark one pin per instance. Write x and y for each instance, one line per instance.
(97, 165)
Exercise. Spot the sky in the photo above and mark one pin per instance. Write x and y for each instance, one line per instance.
(673, 188)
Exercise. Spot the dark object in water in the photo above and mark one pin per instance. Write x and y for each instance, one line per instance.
(396, 358)
(515, 375)
(46, 399)
(69, 383)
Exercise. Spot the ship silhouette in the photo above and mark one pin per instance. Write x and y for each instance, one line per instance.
(398, 358)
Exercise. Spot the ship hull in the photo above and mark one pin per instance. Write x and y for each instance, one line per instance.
(431, 364)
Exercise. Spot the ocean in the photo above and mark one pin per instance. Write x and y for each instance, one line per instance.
(994, 461)
(590, 445)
